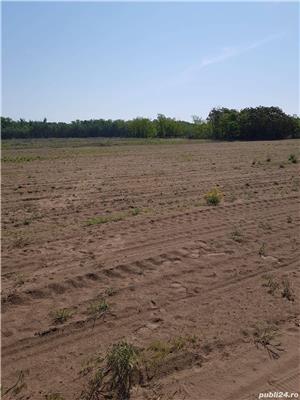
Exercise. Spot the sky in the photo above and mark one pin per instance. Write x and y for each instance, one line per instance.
(78, 60)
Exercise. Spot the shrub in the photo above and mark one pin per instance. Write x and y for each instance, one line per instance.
(213, 197)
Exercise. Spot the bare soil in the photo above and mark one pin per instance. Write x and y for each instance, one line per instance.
(129, 224)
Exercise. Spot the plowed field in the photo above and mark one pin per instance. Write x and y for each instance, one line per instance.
(126, 228)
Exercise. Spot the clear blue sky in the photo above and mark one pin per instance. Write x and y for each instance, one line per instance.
(67, 61)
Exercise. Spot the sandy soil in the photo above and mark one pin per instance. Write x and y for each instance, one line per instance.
(168, 266)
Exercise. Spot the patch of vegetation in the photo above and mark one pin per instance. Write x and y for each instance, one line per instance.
(287, 291)
(105, 219)
(61, 315)
(20, 159)
(264, 336)
(125, 365)
(114, 217)
(213, 197)
(161, 349)
(293, 158)
(157, 353)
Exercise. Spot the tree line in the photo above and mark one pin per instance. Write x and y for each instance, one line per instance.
(259, 123)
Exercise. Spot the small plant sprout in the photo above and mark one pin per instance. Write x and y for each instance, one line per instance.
(293, 158)
(98, 309)
(62, 315)
(213, 197)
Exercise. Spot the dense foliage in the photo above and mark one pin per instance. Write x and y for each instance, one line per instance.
(260, 123)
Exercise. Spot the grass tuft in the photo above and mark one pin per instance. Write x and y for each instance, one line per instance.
(98, 309)
(264, 336)
(62, 315)
(115, 378)
(121, 361)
